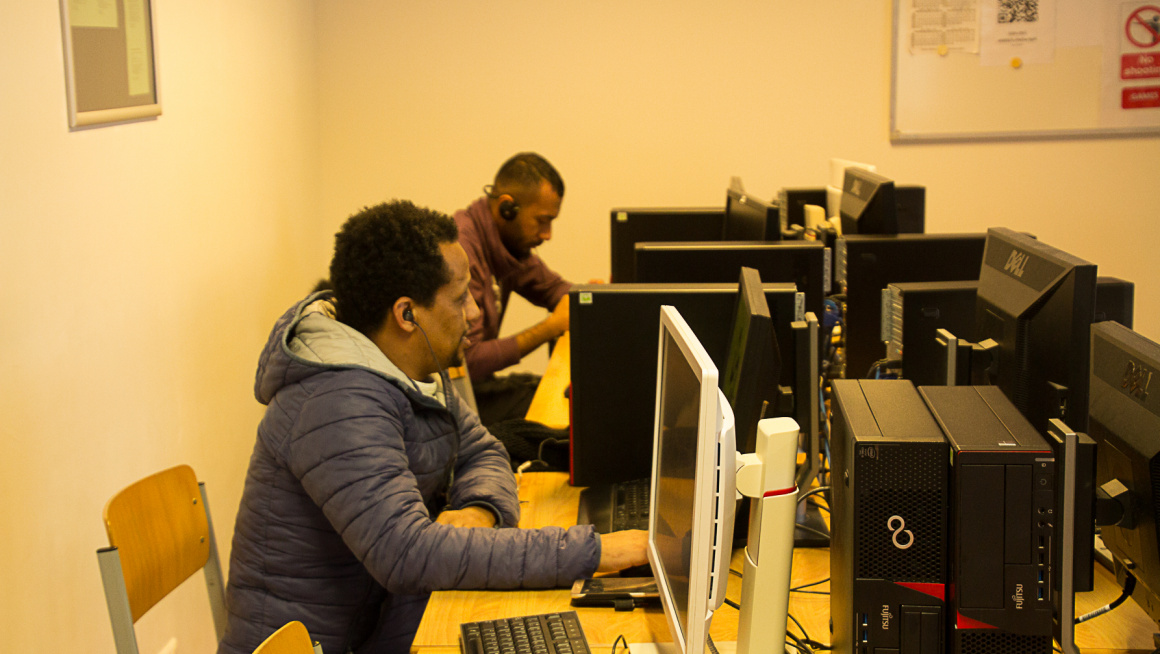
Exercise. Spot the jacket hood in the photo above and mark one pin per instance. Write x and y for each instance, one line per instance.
(308, 340)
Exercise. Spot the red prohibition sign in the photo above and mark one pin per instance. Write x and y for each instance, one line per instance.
(1146, 32)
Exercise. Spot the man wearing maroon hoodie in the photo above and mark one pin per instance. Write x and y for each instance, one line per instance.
(499, 232)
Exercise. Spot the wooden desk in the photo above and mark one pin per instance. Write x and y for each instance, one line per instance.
(549, 406)
(547, 499)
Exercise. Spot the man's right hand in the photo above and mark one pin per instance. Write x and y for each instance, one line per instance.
(558, 319)
(623, 549)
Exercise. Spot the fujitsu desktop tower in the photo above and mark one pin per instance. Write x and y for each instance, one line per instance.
(1001, 519)
(888, 552)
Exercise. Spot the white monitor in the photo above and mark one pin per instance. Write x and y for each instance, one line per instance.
(693, 485)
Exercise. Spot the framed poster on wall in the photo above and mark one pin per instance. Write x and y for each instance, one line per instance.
(110, 67)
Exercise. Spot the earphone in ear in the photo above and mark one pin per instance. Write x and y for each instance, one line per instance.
(409, 315)
(508, 210)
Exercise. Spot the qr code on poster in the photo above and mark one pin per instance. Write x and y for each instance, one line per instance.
(1018, 11)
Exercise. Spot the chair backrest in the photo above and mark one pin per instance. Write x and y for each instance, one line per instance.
(292, 638)
(461, 382)
(160, 533)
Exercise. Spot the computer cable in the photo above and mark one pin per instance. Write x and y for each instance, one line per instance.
(619, 639)
(448, 395)
(801, 589)
(806, 636)
(1129, 586)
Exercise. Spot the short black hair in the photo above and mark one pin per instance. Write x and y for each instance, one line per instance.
(386, 252)
(525, 171)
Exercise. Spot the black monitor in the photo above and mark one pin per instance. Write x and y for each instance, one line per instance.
(628, 226)
(804, 263)
(868, 203)
(1125, 423)
(748, 218)
(613, 335)
(750, 376)
(867, 264)
(1036, 303)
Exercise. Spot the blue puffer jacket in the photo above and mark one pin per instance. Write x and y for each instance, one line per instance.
(334, 527)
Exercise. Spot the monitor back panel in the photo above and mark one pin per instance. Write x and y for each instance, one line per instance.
(629, 226)
(867, 264)
(614, 364)
(804, 263)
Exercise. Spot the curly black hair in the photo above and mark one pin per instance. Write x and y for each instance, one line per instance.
(386, 252)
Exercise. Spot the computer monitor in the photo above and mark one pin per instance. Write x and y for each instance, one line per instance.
(748, 218)
(693, 485)
(753, 367)
(1125, 423)
(867, 264)
(868, 203)
(1036, 303)
(613, 376)
(628, 226)
(804, 263)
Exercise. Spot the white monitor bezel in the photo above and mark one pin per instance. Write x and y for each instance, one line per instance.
(716, 466)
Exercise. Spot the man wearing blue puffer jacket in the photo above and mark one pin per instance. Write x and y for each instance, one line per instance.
(370, 485)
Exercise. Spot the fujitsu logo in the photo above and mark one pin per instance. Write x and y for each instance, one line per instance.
(1018, 596)
(1136, 381)
(899, 529)
(886, 616)
(1015, 263)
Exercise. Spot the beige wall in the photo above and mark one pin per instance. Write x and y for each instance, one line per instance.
(658, 103)
(143, 264)
(142, 267)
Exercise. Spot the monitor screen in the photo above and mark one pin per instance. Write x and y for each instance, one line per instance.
(1125, 423)
(1036, 303)
(747, 218)
(868, 203)
(693, 485)
(630, 226)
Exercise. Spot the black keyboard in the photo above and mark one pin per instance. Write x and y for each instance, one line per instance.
(617, 506)
(550, 633)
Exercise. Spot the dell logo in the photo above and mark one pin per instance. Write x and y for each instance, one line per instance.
(1015, 263)
(1136, 381)
(900, 529)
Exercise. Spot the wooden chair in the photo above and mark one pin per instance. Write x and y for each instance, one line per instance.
(160, 533)
(292, 638)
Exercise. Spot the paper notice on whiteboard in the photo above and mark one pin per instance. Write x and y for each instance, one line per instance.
(1017, 29)
(92, 13)
(138, 58)
(941, 26)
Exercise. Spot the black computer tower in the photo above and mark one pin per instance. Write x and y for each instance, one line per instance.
(614, 330)
(1002, 503)
(888, 552)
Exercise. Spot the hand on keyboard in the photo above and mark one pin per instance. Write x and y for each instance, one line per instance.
(622, 549)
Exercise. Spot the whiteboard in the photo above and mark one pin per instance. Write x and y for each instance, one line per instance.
(1089, 68)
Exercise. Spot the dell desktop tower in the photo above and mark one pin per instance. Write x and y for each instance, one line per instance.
(888, 553)
(1002, 494)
